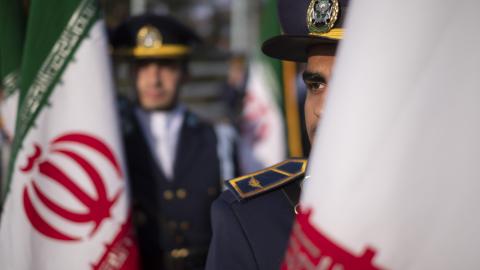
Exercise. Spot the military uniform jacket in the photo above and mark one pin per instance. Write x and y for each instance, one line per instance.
(251, 231)
(171, 218)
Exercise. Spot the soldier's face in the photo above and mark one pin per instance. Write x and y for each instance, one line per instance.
(157, 84)
(316, 77)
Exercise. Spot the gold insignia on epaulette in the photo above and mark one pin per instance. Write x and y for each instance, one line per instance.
(261, 181)
(254, 183)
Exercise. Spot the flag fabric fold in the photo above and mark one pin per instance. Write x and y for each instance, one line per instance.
(394, 169)
(67, 203)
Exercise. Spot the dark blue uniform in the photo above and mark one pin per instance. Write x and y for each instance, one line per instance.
(252, 220)
(171, 218)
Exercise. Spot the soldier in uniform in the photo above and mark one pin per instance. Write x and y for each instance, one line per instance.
(252, 219)
(172, 154)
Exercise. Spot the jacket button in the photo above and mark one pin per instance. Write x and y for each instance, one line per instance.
(181, 193)
(168, 195)
(184, 225)
(179, 253)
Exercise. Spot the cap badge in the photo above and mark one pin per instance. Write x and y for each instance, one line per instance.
(322, 15)
(149, 37)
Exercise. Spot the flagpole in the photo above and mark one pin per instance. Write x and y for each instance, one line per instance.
(289, 70)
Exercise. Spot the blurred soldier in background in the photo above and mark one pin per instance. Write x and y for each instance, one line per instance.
(172, 154)
(252, 220)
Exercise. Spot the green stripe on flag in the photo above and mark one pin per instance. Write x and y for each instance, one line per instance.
(12, 30)
(54, 32)
(12, 34)
(270, 27)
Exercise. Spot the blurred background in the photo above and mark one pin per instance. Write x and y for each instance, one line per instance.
(255, 105)
(231, 81)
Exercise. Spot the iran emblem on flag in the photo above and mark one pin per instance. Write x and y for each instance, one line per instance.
(67, 204)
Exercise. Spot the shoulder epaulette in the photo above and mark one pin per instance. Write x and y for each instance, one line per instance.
(259, 182)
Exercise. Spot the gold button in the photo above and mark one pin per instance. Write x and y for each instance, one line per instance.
(183, 253)
(168, 195)
(181, 193)
(184, 225)
(212, 191)
(179, 253)
(174, 253)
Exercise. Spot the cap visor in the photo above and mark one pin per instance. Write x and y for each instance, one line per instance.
(166, 51)
(295, 48)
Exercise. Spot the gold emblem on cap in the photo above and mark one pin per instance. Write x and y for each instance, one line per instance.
(149, 37)
(150, 43)
(322, 15)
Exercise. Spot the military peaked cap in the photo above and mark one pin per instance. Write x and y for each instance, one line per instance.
(307, 23)
(153, 36)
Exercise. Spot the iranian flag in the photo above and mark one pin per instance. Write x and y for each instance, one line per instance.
(395, 175)
(67, 203)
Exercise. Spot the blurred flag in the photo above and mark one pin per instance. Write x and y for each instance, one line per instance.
(12, 24)
(262, 135)
(394, 175)
(66, 206)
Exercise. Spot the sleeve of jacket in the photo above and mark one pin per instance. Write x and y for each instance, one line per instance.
(229, 248)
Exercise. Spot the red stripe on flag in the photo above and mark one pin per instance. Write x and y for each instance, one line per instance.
(39, 223)
(95, 144)
(310, 248)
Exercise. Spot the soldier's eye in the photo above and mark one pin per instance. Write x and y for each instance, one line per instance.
(316, 87)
